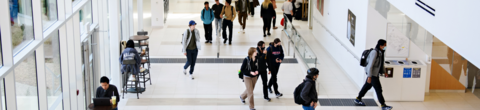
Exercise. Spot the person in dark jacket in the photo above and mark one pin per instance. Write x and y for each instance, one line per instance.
(250, 72)
(107, 90)
(374, 67)
(275, 57)
(262, 67)
(267, 13)
(309, 92)
(217, 9)
(130, 53)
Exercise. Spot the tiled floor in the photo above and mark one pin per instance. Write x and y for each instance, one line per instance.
(217, 87)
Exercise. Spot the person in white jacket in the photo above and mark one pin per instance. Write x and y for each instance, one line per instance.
(191, 45)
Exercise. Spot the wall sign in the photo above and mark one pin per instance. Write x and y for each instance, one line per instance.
(351, 27)
(407, 72)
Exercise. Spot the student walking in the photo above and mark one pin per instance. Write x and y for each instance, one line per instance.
(207, 18)
(253, 4)
(262, 67)
(287, 9)
(217, 9)
(191, 45)
(374, 67)
(267, 13)
(243, 9)
(229, 15)
(275, 57)
(274, 3)
(250, 72)
(309, 91)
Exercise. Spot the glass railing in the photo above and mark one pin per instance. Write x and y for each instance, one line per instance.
(304, 51)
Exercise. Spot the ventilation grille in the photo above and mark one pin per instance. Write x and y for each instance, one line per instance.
(425, 7)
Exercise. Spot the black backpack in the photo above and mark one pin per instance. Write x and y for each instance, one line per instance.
(240, 73)
(296, 94)
(363, 60)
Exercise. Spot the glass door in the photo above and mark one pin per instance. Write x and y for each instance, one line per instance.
(87, 65)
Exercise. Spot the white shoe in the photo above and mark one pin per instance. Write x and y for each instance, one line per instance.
(191, 76)
(185, 71)
(133, 79)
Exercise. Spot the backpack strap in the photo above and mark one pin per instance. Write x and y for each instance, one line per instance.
(248, 63)
(203, 12)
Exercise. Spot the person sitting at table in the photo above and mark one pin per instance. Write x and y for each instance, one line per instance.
(107, 90)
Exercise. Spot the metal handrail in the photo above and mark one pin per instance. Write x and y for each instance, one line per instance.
(305, 45)
(338, 40)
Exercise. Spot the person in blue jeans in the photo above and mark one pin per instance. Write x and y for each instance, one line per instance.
(217, 9)
(191, 45)
(309, 92)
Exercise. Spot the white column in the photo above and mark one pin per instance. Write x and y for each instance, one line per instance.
(114, 41)
(79, 80)
(71, 64)
(62, 33)
(140, 14)
(157, 13)
(7, 55)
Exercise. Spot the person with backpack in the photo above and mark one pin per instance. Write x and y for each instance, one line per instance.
(250, 72)
(243, 9)
(306, 93)
(374, 65)
(262, 68)
(191, 45)
(228, 16)
(217, 9)
(207, 18)
(267, 13)
(275, 57)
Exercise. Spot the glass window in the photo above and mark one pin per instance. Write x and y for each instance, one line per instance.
(21, 23)
(1, 55)
(2, 92)
(26, 84)
(85, 17)
(49, 13)
(53, 72)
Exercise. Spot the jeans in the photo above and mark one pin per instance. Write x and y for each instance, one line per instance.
(308, 107)
(218, 26)
(229, 24)
(264, 76)
(274, 19)
(273, 79)
(208, 31)
(191, 59)
(376, 85)
(242, 19)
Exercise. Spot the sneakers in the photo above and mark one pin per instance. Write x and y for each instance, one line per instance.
(279, 95)
(385, 107)
(264, 35)
(269, 34)
(191, 76)
(243, 101)
(268, 99)
(210, 41)
(133, 79)
(225, 41)
(270, 91)
(358, 102)
(207, 41)
(185, 71)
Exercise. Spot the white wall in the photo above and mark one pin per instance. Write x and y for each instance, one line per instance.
(455, 23)
(157, 13)
(335, 20)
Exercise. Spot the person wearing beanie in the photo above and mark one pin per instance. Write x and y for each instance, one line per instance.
(191, 45)
(374, 67)
(207, 18)
(309, 91)
(107, 90)
(130, 53)
(228, 14)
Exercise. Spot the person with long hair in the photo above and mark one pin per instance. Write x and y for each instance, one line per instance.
(274, 19)
(275, 57)
(250, 72)
(267, 13)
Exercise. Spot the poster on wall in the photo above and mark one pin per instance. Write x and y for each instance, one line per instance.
(389, 73)
(416, 72)
(320, 6)
(407, 72)
(351, 27)
(398, 44)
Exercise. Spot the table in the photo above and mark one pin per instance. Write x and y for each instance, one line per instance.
(92, 107)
